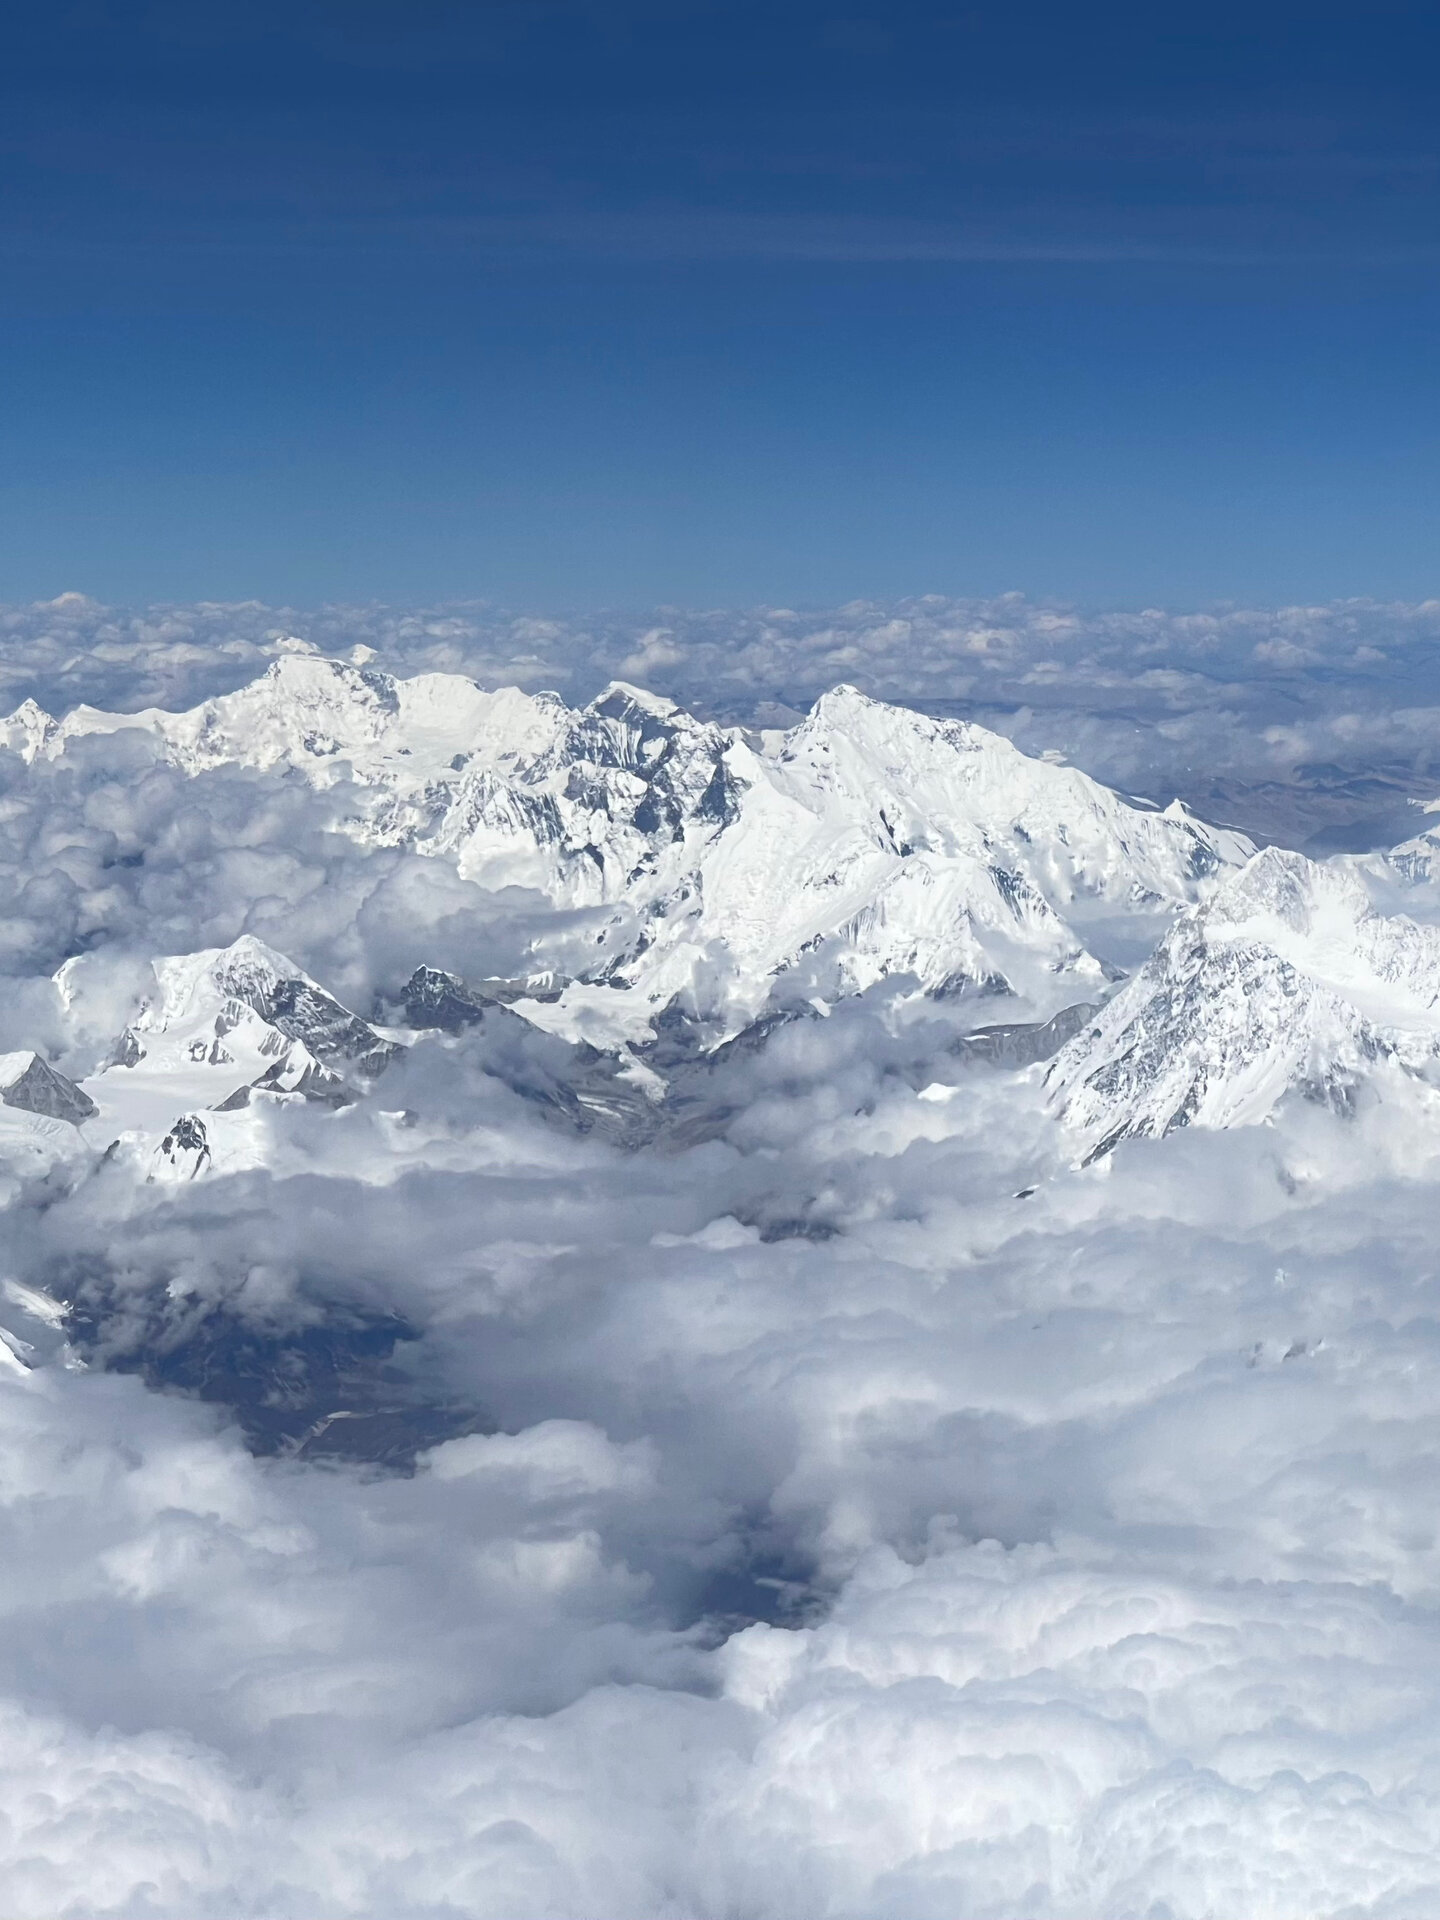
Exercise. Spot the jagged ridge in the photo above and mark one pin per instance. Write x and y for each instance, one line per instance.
(867, 841)
(1285, 979)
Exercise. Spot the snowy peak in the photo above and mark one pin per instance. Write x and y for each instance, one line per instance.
(977, 786)
(250, 975)
(306, 710)
(1286, 979)
(224, 1024)
(1282, 888)
(723, 869)
(594, 807)
(871, 841)
(325, 718)
(28, 730)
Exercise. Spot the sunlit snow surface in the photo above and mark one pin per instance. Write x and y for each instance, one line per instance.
(703, 1404)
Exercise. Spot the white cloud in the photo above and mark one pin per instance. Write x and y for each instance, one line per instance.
(1091, 1510)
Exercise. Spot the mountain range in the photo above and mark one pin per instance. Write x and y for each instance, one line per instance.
(715, 882)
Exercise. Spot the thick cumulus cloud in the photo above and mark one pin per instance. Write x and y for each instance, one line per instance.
(111, 853)
(1096, 1529)
(844, 1504)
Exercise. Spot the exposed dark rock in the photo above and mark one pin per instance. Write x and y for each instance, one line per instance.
(187, 1139)
(331, 1032)
(441, 1001)
(40, 1089)
(326, 1391)
(316, 1083)
(127, 1051)
(433, 999)
(1024, 1042)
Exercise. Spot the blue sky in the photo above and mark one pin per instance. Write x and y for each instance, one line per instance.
(563, 305)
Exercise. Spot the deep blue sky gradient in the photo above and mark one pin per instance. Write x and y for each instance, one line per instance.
(570, 304)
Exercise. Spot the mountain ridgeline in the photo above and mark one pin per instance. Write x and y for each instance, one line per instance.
(699, 887)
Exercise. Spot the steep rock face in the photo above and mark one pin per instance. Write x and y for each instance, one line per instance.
(439, 1001)
(41, 1116)
(31, 1085)
(865, 842)
(1286, 979)
(604, 809)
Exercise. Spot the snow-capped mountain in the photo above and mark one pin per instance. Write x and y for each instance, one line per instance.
(219, 1026)
(228, 1035)
(1286, 978)
(865, 842)
(1416, 860)
(723, 879)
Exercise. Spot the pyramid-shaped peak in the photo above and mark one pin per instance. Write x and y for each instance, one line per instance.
(27, 729)
(622, 697)
(850, 714)
(248, 969)
(1282, 885)
(31, 1085)
(249, 950)
(848, 711)
(14, 1066)
(845, 701)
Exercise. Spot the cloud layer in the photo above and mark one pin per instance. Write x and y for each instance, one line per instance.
(1110, 1526)
(853, 1508)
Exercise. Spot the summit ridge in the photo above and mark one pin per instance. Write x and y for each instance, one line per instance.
(720, 867)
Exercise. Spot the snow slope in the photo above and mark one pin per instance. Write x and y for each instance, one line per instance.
(1286, 978)
(220, 1025)
(725, 876)
(865, 842)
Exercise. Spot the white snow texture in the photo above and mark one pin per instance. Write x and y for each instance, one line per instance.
(789, 1315)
